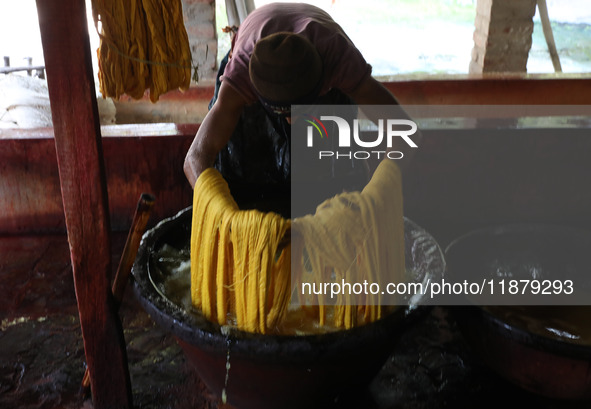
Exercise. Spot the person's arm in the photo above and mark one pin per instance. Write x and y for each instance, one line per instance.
(214, 132)
(372, 92)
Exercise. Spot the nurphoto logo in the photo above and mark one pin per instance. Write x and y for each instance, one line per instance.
(387, 130)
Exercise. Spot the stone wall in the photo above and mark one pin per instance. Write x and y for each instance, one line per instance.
(502, 35)
(200, 22)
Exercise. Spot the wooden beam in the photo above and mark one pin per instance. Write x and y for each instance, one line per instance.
(64, 33)
(494, 90)
(8, 70)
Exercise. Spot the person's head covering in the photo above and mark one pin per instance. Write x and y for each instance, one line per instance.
(285, 68)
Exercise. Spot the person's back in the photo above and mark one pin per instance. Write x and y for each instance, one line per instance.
(343, 66)
(283, 54)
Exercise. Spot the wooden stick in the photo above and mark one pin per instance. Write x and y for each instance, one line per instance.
(138, 227)
(132, 244)
(548, 35)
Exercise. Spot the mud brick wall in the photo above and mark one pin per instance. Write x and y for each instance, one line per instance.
(502, 35)
(200, 22)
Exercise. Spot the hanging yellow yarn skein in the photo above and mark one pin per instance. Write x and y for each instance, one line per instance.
(143, 45)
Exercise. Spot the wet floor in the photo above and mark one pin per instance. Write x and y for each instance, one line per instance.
(42, 357)
(41, 349)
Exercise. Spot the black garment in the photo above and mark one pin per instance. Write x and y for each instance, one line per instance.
(256, 160)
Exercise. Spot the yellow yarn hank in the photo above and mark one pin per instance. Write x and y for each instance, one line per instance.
(238, 269)
(241, 267)
(143, 45)
(354, 236)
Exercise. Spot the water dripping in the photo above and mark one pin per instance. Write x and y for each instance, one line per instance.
(224, 390)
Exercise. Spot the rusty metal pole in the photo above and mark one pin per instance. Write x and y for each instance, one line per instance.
(66, 47)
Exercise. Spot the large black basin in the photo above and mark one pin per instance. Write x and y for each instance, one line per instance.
(277, 371)
(545, 349)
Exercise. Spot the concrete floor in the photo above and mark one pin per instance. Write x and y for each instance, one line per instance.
(42, 357)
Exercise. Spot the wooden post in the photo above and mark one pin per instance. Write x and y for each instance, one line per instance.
(29, 64)
(66, 48)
